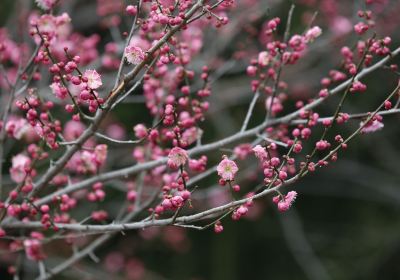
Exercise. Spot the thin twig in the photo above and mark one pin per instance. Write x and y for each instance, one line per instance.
(128, 39)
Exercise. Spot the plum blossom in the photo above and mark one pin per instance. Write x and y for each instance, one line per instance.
(285, 202)
(360, 28)
(371, 126)
(227, 169)
(131, 10)
(46, 4)
(189, 136)
(100, 154)
(276, 105)
(134, 54)
(47, 24)
(218, 228)
(263, 59)
(194, 36)
(93, 79)
(140, 130)
(33, 250)
(357, 86)
(238, 213)
(58, 90)
(243, 150)
(198, 164)
(297, 42)
(99, 216)
(55, 27)
(18, 128)
(341, 25)
(88, 161)
(177, 157)
(73, 129)
(116, 131)
(20, 163)
(313, 33)
(260, 152)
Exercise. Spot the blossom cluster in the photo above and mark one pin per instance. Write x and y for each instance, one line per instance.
(101, 135)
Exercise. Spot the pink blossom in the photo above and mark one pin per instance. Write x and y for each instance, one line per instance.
(17, 128)
(140, 42)
(100, 153)
(263, 59)
(371, 126)
(194, 36)
(47, 24)
(276, 105)
(285, 202)
(46, 4)
(243, 150)
(282, 175)
(227, 169)
(87, 163)
(131, 10)
(177, 201)
(313, 33)
(357, 86)
(114, 262)
(297, 43)
(177, 157)
(134, 54)
(18, 169)
(341, 25)
(360, 28)
(322, 145)
(33, 250)
(218, 228)
(260, 152)
(297, 148)
(140, 131)
(58, 90)
(138, 154)
(251, 70)
(62, 19)
(99, 216)
(275, 161)
(198, 165)
(131, 195)
(116, 131)
(239, 212)
(73, 129)
(189, 136)
(93, 79)
(273, 23)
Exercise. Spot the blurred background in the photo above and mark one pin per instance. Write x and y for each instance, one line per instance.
(345, 222)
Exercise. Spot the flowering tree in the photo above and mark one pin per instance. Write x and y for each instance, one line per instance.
(75, 164)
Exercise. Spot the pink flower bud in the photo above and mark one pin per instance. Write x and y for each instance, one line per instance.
(131, 10)
(131, 196)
